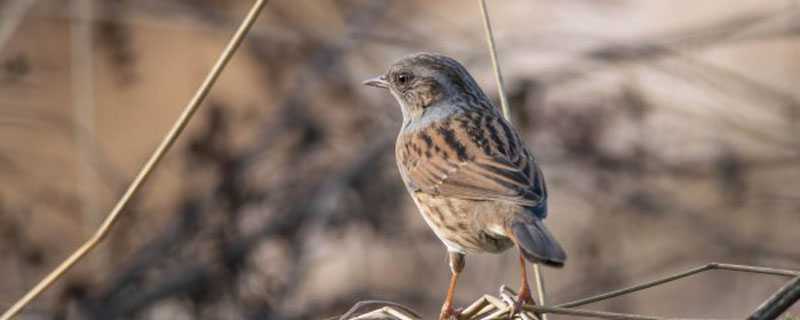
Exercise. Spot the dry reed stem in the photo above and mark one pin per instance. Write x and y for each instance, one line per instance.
(779, 302)
(487, 26)
(653, 283)
(151, 164)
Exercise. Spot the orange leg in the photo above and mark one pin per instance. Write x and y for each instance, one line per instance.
(456, 266)
(524, 295)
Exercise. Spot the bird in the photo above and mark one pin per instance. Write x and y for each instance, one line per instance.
(466, 168)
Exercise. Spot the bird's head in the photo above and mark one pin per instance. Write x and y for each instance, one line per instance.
(424, 82)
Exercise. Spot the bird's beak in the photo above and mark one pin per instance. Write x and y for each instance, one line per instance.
(378, 82)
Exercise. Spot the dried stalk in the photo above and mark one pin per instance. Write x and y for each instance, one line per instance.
(649, 284)
(495, 66)
(778, 302)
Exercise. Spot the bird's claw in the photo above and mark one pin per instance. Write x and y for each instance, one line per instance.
(448, 313)
(518, 306)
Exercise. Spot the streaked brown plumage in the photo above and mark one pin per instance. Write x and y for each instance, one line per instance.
(471, 176)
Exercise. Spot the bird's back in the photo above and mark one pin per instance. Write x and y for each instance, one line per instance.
(471, 155)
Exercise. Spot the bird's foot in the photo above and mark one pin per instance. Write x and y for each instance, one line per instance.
(448, 313)
(523, 298)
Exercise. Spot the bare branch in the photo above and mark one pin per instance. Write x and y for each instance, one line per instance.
(778, 302)
(650, 284)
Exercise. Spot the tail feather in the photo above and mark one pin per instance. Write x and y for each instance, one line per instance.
(537, 244)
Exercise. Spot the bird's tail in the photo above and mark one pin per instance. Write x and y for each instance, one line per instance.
(537, 244)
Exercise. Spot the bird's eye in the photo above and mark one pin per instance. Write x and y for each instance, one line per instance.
(403, 78)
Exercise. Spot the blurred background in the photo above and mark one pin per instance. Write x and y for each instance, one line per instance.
(668, 131)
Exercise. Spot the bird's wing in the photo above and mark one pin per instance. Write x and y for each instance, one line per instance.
(455, 159)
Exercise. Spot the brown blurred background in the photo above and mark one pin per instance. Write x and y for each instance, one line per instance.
(668, 131)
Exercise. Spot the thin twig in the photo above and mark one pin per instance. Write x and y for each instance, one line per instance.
(151, 163)
(590, 313)
(510, 297)
(496, 66)
(475, 307)
(385, 313)
(649, 284)
(778, 302)
(539, 278)
(751, 269)
(347, 315)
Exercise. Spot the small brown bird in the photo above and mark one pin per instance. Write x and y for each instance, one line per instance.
(468, 171)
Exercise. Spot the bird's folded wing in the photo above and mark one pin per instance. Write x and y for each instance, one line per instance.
(484, 177)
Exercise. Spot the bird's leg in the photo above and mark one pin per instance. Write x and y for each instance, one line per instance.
(524, 295)
(456, 266)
